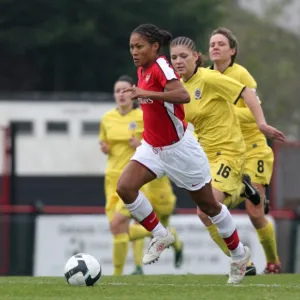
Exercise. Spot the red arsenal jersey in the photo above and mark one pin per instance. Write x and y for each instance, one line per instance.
(163, 122)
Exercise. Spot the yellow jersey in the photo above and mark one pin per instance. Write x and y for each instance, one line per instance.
(252, 135)
(211, 111)
(116, 129)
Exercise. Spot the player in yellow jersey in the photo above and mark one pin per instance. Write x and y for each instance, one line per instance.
(120, 133)
(223, 49)
(211, 111)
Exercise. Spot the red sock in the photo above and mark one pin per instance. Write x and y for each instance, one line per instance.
(233, 241)
(150, 221)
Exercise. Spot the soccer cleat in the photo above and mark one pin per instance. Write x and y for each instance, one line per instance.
(138, 271)
(179, 257)
(272, 268)
(267, 206)
(157, 246)
(250, 192)
(251, 269)
(238, 268)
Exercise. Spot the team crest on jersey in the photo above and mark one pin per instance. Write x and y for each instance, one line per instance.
(132, 125)
(147, 78)
(197, 94)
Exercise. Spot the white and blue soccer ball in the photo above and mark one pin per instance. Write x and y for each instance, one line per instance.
(82, 270)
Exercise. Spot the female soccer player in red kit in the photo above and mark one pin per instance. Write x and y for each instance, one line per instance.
(169, 149)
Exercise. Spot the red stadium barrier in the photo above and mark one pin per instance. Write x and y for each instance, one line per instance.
(49, 209)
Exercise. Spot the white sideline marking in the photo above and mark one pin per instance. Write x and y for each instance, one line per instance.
(204, 285)
(271, 285)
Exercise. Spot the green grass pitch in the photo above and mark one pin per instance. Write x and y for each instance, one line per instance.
(183, 287)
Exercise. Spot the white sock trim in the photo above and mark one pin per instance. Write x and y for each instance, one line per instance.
(224, 222)
(140, 208)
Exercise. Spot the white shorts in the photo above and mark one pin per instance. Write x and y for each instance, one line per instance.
(185, 162)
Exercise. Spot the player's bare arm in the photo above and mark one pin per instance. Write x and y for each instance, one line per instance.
(250, 99)
(174, 93)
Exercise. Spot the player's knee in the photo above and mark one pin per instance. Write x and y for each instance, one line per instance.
(113, 226)
(257, 218)
(255, 212)
(209, 209)
(116, 227)
(125, 190)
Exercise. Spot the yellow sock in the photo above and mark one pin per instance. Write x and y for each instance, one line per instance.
(120, 252)
(177, 243)
(267, 238)
(138, 249)
(137, 231)
(214, 233)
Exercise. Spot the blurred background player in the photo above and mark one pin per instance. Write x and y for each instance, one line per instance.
(168, 148)
(120, 133)
(223, 49)
(211, 111)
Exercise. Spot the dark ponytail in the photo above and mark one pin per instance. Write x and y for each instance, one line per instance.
(201, 59)
(166, 37)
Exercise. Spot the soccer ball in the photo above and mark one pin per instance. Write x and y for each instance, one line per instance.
(82, 270)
